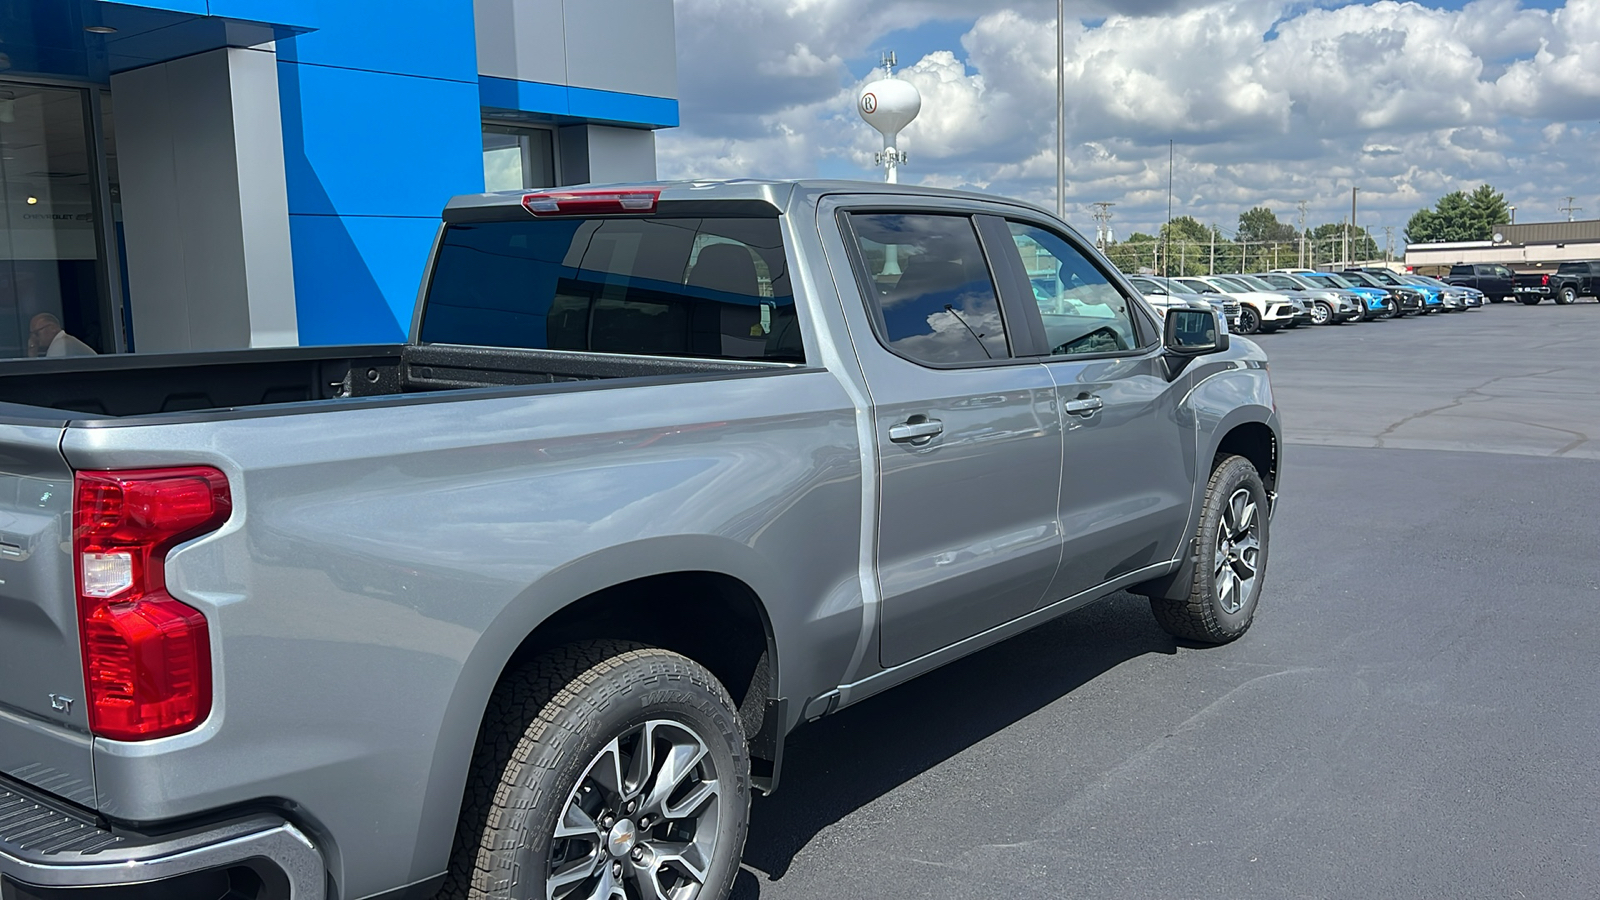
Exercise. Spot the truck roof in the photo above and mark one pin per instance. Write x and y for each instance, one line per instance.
(777, 193)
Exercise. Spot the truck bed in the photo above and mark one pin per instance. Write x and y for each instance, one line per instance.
(142, 385)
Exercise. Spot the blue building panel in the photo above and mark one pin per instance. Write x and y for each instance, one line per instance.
(427, 38)
(355, 278)
(369, 144)
(577, 104)
(610, 106)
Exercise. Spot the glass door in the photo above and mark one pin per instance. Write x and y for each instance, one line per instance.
(52, 280)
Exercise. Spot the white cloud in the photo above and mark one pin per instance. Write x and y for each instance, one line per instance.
(1268, 102)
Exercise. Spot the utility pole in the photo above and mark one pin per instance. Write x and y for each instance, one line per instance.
(1388, 243)
(1102, 224)
(1344, 253)
(1061, 110)
(1569, 209)
(1353, 225)
(1302, 255)
(1212, 269)
(1166, 234)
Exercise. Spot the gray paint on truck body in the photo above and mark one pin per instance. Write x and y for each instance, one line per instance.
(383, 562)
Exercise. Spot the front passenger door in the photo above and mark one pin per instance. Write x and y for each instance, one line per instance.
(1129, 442)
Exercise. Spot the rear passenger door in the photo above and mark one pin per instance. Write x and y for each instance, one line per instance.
(1129, 441)
(968, 437)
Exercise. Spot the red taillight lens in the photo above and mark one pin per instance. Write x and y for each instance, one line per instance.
(146, 657)
(1545, 281)
(591, 203)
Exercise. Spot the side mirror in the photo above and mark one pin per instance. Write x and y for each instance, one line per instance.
(1194, 332)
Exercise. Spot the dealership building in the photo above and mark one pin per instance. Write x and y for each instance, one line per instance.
(204, 174)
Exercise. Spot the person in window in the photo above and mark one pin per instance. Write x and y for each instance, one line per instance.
(46, 337)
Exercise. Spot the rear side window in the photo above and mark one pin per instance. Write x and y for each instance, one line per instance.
(715, 288)
(932, 291)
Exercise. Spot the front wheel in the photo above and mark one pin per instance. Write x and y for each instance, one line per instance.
(605, 769)
(1229, 562)
(1567, 295)
(1249, 320)
(1321, 313)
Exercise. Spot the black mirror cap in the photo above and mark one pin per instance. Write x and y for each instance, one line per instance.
(1194, 332)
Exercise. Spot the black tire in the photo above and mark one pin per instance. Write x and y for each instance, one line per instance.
(1249, 320)
(1204, 616)
(1530, 300)
(1567, 295)
(1323, 314)
(548, 725)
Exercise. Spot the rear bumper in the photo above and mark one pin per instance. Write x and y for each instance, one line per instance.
(47, 849)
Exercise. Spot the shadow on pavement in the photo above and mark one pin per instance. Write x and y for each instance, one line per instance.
(837, 765)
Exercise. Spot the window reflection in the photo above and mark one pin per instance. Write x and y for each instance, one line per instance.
(51, 300)
(933, 289)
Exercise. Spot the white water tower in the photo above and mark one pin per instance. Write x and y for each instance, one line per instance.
(889, 105)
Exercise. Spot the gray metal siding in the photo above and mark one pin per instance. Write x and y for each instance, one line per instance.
(625, 46)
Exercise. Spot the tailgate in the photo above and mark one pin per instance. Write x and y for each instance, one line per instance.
(44, 736)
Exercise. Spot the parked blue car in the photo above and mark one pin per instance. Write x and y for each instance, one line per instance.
(1433, 298)
(1379, 304)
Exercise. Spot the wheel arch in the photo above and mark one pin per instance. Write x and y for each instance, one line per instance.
(1250, 431)
(617, 594)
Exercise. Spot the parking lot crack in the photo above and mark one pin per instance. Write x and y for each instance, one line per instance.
(1454, 403)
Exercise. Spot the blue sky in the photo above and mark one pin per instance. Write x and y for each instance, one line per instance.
(1270, 103)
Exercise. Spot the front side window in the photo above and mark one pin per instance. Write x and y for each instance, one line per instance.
(931, 288)
(1083, 311)
(715, 288)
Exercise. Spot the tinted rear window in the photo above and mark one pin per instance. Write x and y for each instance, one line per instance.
(702, 287)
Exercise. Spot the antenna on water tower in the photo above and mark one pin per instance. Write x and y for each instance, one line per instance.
(889, 105)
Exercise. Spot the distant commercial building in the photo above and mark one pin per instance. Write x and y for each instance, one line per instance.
(199, 174)
(1530, 247)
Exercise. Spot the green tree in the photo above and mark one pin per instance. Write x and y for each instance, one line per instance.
(1188, 245)
(1458, 216)
(1135, 254)
(1326, 244)
(1261, 226)
(1489, 210)
(1264, 241)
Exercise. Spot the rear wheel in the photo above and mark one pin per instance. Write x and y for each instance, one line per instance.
(1567, 295)
(1229, 562)
(1530, 300)
(605, 769)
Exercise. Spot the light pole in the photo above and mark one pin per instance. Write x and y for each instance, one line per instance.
(1061, 109)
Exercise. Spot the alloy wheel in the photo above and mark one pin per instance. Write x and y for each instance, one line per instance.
(642, 822)
(1238, 552)
(1320, 314)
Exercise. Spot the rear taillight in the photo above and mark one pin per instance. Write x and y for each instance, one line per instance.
(1545, 281)
(146, 657)
(591, 202)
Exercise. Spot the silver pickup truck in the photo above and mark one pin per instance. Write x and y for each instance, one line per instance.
(526, 606)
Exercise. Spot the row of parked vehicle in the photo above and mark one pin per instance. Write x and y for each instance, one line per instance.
(1288, 298)
(1570, 280)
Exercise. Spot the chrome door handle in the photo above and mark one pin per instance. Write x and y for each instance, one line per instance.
(1084, 406)
(916, 432)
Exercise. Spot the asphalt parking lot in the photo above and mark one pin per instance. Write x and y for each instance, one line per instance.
(1416, 712)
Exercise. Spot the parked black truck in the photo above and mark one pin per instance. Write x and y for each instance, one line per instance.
(1570, 281)
(1496, 281)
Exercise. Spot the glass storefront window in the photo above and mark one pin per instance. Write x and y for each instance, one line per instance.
(515, 159)
(51, 301)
